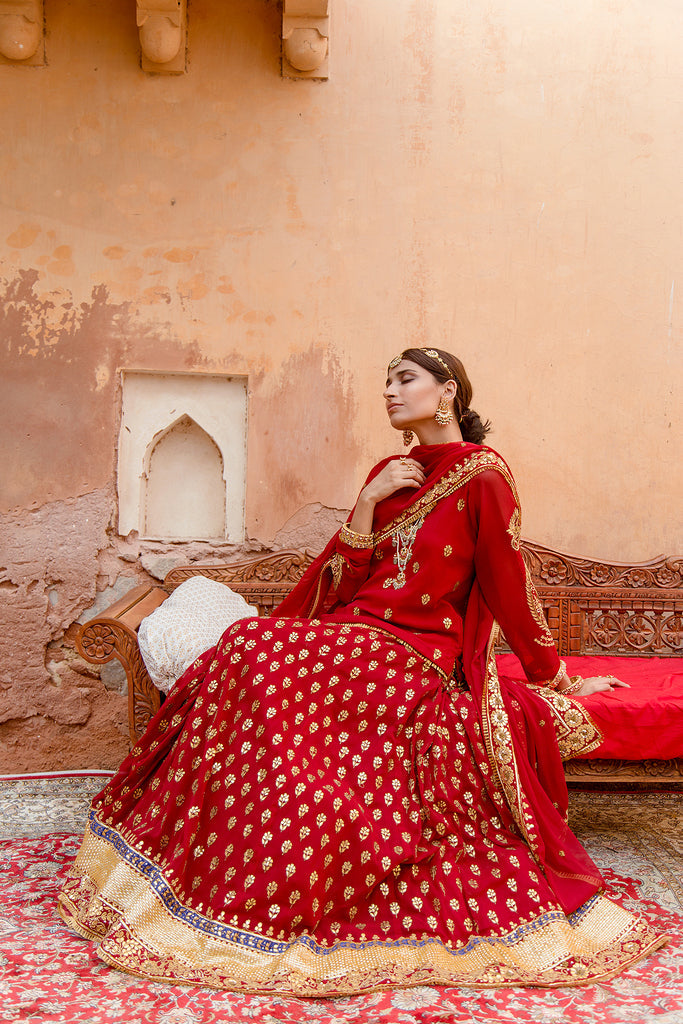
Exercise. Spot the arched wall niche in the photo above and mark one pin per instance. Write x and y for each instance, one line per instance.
(182, 456)
(183, 484)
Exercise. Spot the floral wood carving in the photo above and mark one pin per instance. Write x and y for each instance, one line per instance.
(283, 567)
(99, 642)
(555, 569)
(628, 631)
(594, 768)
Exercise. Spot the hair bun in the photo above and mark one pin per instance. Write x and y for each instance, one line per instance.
(472, 427)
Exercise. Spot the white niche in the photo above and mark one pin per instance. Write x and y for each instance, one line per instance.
(182, 456)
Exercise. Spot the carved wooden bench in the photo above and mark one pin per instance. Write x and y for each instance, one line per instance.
(592, 607)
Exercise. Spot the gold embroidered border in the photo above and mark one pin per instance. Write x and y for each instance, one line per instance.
(107, 900)
(515, 529)
(337, 565)
(333, 566)
(536, 610)
(500, 748)
(443, 488)
(576, 731)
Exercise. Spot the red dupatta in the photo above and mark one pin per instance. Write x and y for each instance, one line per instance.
(522, 748)
(308, 597)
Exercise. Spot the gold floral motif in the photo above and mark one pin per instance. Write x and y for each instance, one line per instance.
(470, 467)
(515, 528)
(337, 565)
(546, 639)
(577, 733)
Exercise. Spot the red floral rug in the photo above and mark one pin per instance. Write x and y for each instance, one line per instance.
(48, 974)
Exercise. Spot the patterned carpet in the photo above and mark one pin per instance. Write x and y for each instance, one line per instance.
(49, 975)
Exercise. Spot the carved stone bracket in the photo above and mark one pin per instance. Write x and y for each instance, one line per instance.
(305, 38)
(21, 32)
(162, 25)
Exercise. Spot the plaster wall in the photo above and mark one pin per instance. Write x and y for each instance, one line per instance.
(499, 179)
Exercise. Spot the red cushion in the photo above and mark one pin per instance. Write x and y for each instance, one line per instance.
(645, 721)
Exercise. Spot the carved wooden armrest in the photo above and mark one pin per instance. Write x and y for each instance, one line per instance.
(113, 634)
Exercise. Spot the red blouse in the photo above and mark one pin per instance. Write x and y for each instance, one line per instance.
(465, 524)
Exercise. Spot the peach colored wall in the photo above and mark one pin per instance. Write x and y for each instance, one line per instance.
(499, 179)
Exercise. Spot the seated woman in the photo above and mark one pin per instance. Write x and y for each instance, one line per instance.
(345, 796)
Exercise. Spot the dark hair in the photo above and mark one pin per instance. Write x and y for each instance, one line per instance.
(471, 425)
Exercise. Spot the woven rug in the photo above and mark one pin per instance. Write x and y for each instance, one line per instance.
(48, 974)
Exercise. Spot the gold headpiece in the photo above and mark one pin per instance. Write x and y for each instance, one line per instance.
(428, 352)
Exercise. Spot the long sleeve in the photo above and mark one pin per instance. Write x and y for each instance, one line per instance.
(503, 578)
(350, 564)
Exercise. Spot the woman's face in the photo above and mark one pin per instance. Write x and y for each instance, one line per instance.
(412, 395)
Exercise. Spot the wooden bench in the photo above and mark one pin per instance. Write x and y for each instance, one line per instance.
(592, 607)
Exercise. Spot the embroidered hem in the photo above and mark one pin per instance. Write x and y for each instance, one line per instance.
(119, 898)
(577, 733)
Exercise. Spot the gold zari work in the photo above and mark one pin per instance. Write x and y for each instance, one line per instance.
(336, 805)
(553, 953)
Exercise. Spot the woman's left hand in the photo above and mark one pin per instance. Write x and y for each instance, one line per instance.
(600, 684)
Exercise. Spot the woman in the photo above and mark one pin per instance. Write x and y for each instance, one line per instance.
(345, 796)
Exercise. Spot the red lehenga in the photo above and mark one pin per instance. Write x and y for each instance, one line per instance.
(334, 801)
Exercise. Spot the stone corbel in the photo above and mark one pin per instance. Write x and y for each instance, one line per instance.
(21, 32)
(162, 25)
(305, 38)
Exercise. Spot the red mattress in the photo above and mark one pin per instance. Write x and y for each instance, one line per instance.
(645, 721)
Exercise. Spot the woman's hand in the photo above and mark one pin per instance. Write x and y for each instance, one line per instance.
(599, 684)
(399, 473)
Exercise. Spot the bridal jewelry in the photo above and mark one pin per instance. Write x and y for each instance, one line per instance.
(576, 684)
(407, 438)
(428, 352)
(403, 542)
(443, 414)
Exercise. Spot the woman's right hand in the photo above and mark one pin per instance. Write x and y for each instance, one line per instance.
(600, 684)
(397, 474)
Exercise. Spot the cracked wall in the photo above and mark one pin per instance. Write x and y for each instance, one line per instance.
(496, 180)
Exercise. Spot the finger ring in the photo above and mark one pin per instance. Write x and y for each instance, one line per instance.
(403, 460)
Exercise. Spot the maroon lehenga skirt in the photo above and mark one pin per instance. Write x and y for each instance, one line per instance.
(313, 811)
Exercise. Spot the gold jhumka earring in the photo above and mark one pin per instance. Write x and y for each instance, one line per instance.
(443, 414)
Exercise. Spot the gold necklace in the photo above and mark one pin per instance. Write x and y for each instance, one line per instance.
(403, 538)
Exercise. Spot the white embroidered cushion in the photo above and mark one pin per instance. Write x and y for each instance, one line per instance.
(190, 621)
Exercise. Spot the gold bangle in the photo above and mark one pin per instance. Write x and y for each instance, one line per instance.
(555, 681)
(576, 682)
(356, 540)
